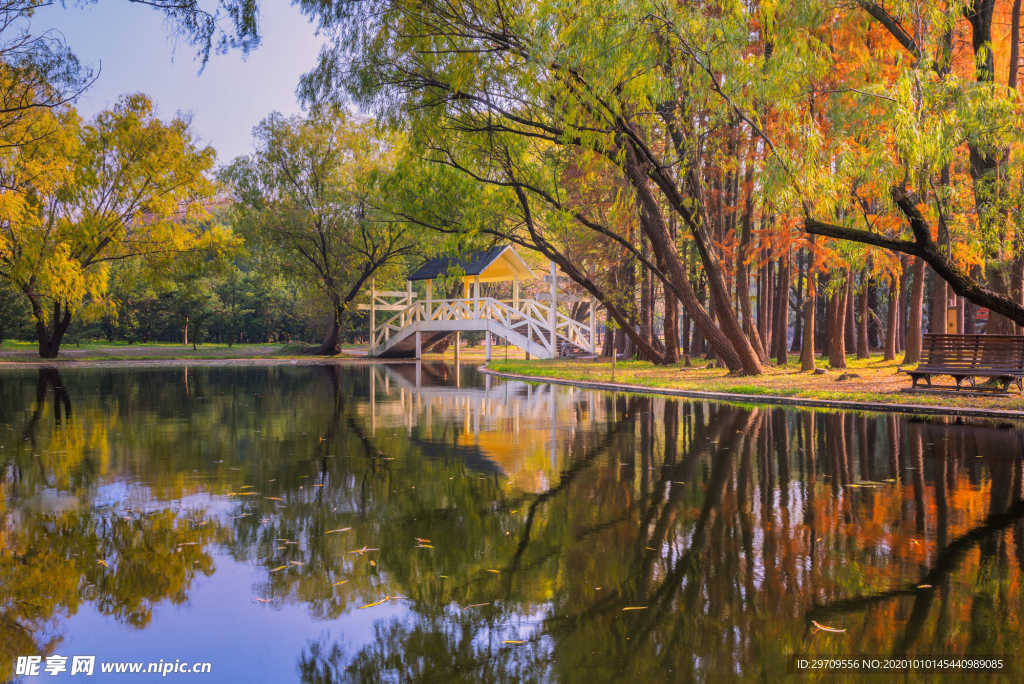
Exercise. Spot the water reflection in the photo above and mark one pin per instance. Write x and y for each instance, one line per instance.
(447, 525)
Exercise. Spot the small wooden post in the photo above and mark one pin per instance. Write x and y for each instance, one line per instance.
(373, 316)
(551, 314)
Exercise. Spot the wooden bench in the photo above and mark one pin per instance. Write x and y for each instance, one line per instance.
(966, 357)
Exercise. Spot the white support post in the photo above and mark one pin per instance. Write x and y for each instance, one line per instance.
(430, 300)
(551, 313)
(476, 296)
(593, 329)
(487, 343)
(515, 294)
(458, 341)
(419, 345)
(408, 300)
(373, 316)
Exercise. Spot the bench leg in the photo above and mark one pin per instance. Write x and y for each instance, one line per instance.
(958, 380)
(1020, 384)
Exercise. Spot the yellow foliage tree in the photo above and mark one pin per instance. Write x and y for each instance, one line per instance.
(82, 196)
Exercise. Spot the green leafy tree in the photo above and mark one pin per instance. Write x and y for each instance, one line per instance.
(314, 189)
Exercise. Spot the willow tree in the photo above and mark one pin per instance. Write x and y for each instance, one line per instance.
(313, 188)
(517, 83)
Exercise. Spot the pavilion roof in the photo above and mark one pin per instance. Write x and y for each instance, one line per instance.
(499, 263)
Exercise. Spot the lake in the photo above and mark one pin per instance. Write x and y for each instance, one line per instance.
(321, 523)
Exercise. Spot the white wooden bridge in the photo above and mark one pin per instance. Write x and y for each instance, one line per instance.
(537, 326)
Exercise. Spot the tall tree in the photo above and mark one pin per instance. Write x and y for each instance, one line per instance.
(315, 187)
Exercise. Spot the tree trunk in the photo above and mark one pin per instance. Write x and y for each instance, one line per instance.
(874, 321)
(743, 273)
(671, 326)
(913, 354)
(851, 320)
(837, 326)
(780, 321)
(937, 318)
(801, 280)
(646, 304)
(184, 331)
(50, 333)
(810, 309)
(892, 320)
(332, 341)
(862, 319)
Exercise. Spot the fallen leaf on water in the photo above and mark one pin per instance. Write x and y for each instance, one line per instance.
(363, 550)
(492, 570)
(424, 546)
(103, 563)
(513, 641)
(279, 568)
(336, 584)
(373, 564)
(246, 487)
(274, 498)
(340, 529)
(634, 608)
(243, 493)
(263, 600)
(296, 562)
(375, 603)
(826, 628)
(478, 605)
(924, 586)
(187, 544)
(422, 540)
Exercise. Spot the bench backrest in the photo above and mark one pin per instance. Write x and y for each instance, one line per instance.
(998, 352)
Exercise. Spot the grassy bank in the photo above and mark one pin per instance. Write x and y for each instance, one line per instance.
(13, 351)
(870, 380)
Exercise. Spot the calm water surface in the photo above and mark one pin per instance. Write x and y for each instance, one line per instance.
(323, 523)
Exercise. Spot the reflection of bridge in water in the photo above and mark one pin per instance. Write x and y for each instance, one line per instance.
(496, 426)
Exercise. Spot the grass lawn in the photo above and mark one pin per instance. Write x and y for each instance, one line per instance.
(22, 351)
(868, 380)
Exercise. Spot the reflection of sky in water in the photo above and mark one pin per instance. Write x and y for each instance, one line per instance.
(222, 623)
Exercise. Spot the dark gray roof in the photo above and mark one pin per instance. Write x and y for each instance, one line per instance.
(472, 263)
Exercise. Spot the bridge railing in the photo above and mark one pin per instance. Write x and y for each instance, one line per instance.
(531, 318)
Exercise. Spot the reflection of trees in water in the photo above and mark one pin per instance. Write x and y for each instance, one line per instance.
(725, 524)
(121, 563)
(730, 527)
(454, 646)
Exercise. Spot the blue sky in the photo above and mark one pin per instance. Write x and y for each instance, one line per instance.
(136, 52)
